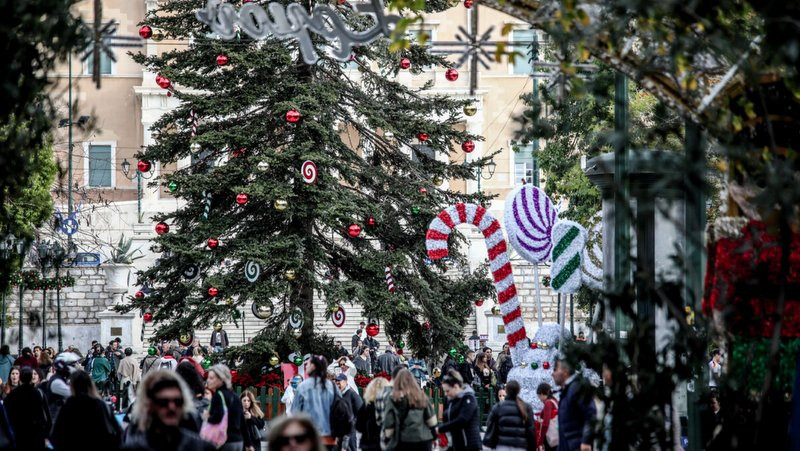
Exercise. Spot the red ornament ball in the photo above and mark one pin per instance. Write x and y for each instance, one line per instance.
(139, 295)
(169, 93)
(423, 190)
(405, 63)
(373, 329)
(479, 302)
(426, 325)
(145, 31)
(213, 292)
(144, 166)
(163, 81)
(534, 345)
(239, 152)
(292, 116)
(468, 146)
(451, 74)
(241, 198)
(371, 221)
(423, 137)
(162, 228)
(113, 399)
(341, 2)
(468, 4)
(354, 230)
(222, 60)
(399, 351)
(147, 317)
(212, 243)
(546, 365)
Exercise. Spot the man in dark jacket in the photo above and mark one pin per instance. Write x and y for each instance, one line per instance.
(28, 413)
(576, 410)
(355, 401)
(387, 361)
(461, 417)
(467, 369)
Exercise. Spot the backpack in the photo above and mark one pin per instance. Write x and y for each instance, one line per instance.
(341, 416)
(551, 435)
(169, 364)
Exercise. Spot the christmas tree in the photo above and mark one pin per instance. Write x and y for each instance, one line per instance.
(305, 181)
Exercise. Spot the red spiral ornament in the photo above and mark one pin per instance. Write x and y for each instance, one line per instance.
(309, 172)
(338, 317)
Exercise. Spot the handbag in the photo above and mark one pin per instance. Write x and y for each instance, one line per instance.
(255, 432)
(216, 434)
(551, 435)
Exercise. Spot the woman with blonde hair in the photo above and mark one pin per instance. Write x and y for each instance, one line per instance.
(253, 422)
(367, 422)
(408, 416)
(294, 433)
(225, 401)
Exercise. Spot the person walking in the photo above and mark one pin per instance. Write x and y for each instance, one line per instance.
(314, 397)
(408, 416)
(45, 362)
(162, 401)
(129, 374)
(418, 368)
(12, 382)
(460, 414)
(253, 430)
(366, 421)
(6, 362)
(387, 361)
(85, 409)
(57, 389)
(485, 374)
(101, 370)
(225, 403)
(166, 361)
(510, 425)
(715, 369)
(504, 365)
(351, 396)
(549, 414)
(28, 413)
(149, 361)
(26, 358)
(576, 410)
(467, 369)
(362, 361)
(294, 433)
(188, 373)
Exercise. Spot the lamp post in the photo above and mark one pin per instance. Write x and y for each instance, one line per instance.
(59, 255)
(489, 173)
(21, 245)
(44, 251)
(126, 170)
(6, 249)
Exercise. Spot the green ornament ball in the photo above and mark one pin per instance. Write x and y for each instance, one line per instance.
(236, 314)
(206, 364)
(460, 359)
(452, 352)
(298, 360)
(415, 210)
(401, 344)
(534, 366)
(151, 350)
(172, 186)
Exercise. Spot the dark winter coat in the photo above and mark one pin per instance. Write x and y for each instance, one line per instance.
(235, 413)
(80, 412)
(368, 426)
(576, 416)
(387, 361)
(173, 439)
(29, 417)
(504, 366)
(462, 422)
(506, 427)
(250, 432)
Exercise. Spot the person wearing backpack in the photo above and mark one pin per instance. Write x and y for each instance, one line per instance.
(85, 408)
(547, 435)
(356, 403)
(510, 423)
(315, 397)
(366, 421)
(166, 362)
(409, 418)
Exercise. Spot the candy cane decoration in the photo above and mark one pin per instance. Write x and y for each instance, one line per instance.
(193, 118)
(436, 244)
(207, 204)
(389, 279)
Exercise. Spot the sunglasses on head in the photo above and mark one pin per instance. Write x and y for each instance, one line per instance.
(292, 439)
(164, 402)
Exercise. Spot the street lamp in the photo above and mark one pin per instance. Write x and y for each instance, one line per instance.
(22, 244)
(59, 256)
(485, 172)
(45, 251)
(126, 169)
(6, 250)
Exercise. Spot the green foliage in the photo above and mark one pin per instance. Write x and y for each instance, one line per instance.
(122, 252)
(361, 174)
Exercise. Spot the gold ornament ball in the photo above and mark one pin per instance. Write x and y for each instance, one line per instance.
(184, 338)
(274, 361)
(281, 204)
(229, 301)
(157, 36)
(297, 333)
(470, 110)
(496, 310)
(437, 181)
(289, 274)
(333, 308)
(195, 147)
(263, 166)
(263, 311)
(437, 372)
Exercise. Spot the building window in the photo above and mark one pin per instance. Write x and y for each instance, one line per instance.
(105, 64)
(100, 165)
(521, 41)
(526, 169)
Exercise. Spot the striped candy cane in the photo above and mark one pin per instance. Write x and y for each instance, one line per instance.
(436, 244)
(389, 279)
(193, 117)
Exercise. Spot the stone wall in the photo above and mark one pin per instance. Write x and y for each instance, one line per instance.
(80, 307)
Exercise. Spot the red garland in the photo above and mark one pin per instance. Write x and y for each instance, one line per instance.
(269, 380)
(742, 279)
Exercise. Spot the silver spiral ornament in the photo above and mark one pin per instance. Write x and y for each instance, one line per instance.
(296, 319)
(338, 317)
(191, 272)
(252, 270)
(309, 171)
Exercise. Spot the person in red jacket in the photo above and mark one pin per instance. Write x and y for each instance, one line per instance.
(548, 414)
(26, 358)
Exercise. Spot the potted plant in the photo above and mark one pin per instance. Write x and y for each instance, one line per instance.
(118, 266)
